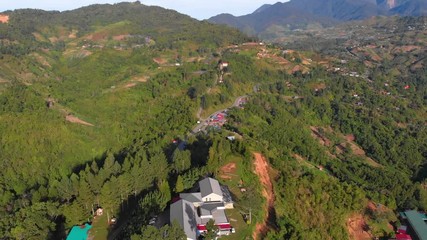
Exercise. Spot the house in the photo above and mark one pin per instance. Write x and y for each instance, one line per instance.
(231, 138)
(79, 232)
(223, 65)
(194, 210)
(417, 226)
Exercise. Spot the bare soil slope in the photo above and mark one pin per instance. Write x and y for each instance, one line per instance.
(262, 169)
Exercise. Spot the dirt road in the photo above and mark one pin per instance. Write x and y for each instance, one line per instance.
(262, 169)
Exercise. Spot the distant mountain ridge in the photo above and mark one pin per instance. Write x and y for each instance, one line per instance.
(273, 19)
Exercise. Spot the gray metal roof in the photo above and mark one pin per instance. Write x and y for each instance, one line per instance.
(208, 186)
(208, 208)
(191, 197)
(183, 212)
(416, 220)
(218, 215)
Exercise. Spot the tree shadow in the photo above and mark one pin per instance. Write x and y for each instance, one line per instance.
(199, 150)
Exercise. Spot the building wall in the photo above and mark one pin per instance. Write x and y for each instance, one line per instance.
(213, 198)
(229, 205)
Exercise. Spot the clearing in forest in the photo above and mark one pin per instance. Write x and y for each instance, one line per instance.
(4, 18)
(357, 228)
(347, 141)
(160, 61)
(262, 170)
(228, 170)
(358, 151)
(357, 223)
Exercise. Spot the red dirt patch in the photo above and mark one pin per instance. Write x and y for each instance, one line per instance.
(160, 61)
(4, 18)
(350, 137)
(371, 206)
(357, 228)
(319, 86)
(74, 119)
(120, 37)
(348, 141)
(142, 79)
(73, 34)
(130, 85)
(297, 68)
(322, 139)
(262, 169)
(407, 48)
(228, 170)
(376, 58)
(97, 36)
(358, 151)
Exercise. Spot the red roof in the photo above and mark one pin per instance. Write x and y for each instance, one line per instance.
(201, 227)
(402, 236)
(224, 226)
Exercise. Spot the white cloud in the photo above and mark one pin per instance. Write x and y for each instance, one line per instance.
(200, 9)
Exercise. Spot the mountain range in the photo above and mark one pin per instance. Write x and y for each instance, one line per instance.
(271, 20)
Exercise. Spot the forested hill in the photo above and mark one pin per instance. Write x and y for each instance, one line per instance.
(28, 29)
(280, 18)
(81, 85)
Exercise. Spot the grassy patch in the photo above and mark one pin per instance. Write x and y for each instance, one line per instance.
(100, 228)
(243, 230)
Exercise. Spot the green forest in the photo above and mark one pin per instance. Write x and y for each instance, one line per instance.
(95, 104)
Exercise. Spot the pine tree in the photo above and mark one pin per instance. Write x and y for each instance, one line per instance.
(165, 193)
(179, 186)
(211, 229)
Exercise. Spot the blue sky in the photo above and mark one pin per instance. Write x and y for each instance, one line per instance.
(200, 9)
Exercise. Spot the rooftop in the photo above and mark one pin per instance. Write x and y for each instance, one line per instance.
(183, 212)
(209, 186)
(191, 197)
(216, 210)
(79, 232)
(209, 208)
(418, 223)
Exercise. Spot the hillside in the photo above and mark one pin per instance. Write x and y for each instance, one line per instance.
(125, 106)
(81, 85)
(279, 19)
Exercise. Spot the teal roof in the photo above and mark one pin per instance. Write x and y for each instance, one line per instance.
(417, 223)
(79, 232)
